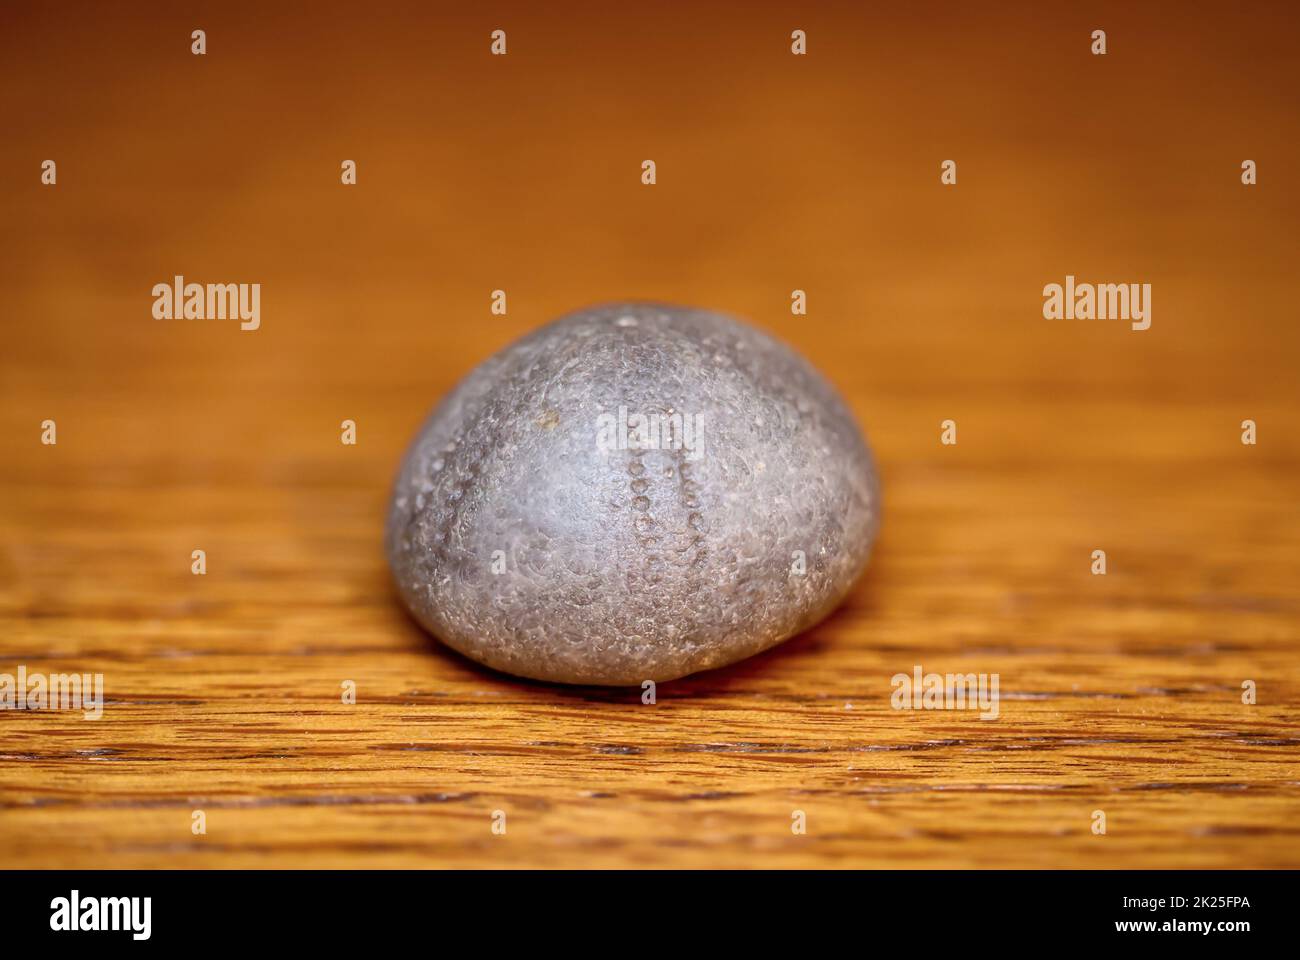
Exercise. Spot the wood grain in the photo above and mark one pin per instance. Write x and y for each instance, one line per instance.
(1120, 693)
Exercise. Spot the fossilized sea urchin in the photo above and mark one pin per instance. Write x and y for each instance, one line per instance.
(633, 492)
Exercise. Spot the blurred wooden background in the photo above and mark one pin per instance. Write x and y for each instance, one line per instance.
(1120, 693)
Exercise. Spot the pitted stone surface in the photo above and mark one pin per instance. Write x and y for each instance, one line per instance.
(526, 534)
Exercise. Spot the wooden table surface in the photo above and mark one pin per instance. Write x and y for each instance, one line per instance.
(1120, 693)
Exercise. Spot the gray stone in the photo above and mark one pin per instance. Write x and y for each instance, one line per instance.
(540, 527)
